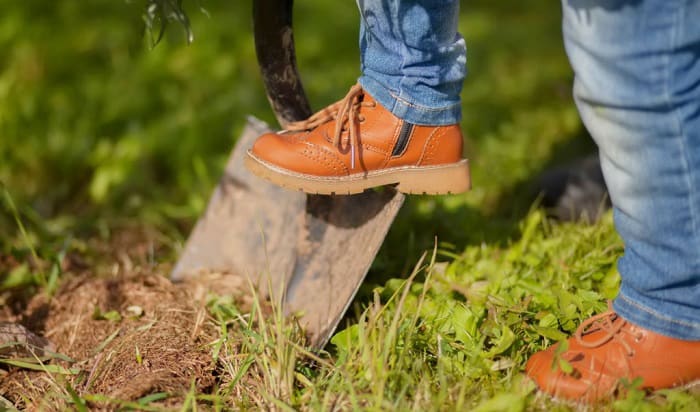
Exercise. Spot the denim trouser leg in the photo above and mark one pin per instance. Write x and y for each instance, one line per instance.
(413, 59)
(637, 65)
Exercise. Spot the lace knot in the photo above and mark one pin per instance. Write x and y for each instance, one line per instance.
(613, 328)
(345, 113)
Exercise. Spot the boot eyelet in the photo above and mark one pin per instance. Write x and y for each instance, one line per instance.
(638, 337)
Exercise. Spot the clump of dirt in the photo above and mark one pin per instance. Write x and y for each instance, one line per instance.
(130, 336)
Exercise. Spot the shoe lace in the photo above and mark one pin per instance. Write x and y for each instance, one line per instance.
(613, 326)
(345, 112)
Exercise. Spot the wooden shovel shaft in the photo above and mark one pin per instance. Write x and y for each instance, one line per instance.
(274, 46)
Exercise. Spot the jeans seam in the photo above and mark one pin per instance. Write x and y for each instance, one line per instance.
(420, 107)
(366, 25)
(403, 56)
(677, 20)
(658, 315)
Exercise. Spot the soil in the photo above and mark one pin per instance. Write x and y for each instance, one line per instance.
(130, 335)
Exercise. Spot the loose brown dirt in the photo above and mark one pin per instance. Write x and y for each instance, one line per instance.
(129, 335)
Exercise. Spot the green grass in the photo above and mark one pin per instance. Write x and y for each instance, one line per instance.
(101, 134)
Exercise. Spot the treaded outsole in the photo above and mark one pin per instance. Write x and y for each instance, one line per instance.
(443, 179)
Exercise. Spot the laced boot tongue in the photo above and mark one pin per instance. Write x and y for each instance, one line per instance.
(337, 110)
(612, 328)
(345, 112)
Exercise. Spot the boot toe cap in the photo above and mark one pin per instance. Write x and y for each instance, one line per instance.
(297, 156)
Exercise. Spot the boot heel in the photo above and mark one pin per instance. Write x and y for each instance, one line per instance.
(436, 180)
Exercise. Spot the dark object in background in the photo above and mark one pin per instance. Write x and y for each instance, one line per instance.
(574, 192)
(274, 47)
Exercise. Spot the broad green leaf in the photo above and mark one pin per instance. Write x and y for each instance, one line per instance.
(551, 333)
(504, 341)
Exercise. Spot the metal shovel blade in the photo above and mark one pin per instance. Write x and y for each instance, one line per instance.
(314, 250)
(245, 228)
(338, 242)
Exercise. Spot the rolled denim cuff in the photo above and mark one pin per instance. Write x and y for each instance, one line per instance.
(412, 112)
(665, 318)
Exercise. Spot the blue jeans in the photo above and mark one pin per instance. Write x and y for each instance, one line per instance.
(413, 60)
(637, 87)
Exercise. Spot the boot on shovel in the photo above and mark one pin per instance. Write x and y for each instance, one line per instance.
(308, 253)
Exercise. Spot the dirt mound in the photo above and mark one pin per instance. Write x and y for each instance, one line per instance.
(130, 336)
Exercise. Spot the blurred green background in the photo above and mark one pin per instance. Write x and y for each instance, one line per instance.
(99, 130)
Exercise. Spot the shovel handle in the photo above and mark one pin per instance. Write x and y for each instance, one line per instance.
(274, 46)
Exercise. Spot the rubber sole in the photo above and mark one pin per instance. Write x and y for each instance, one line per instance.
(584, 405)
(431, 180)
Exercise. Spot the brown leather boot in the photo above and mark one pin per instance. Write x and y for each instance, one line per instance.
(356, 144)
(607, 350)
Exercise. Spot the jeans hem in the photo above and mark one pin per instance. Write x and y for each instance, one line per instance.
(638, 310)
(410, 112)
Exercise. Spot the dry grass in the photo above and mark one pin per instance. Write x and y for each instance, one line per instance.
(130, 336)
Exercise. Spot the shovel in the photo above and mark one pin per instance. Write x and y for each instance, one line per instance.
(308, 253)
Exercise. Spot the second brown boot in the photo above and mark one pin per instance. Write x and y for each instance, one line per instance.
(607, 353)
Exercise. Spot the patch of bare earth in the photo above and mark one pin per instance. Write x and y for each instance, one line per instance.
(130, 336)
